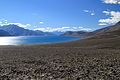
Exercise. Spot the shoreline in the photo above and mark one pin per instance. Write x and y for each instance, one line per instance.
(38, 43)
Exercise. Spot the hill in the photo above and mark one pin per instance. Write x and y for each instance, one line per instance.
(111, 31)
(75, 33)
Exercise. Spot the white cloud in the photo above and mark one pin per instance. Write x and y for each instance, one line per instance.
(92, 13)
(41, 22)
(62, 29)
(113, 18)
(86, 10)
(20, 25)
(106, 12)
(5, 22)
(111, 1)
(102, 24)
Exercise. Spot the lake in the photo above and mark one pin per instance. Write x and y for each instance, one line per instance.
(35, 40)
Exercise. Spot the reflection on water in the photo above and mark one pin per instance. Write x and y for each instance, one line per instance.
(9, 40)
(34, 40)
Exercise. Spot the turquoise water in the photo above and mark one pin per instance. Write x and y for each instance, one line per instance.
(35, 40)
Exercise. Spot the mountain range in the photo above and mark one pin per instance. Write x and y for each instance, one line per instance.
(107, 32)
(15, 30)
(110, 31)
(108, 37)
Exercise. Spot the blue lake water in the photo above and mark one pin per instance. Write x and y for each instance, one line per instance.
(35, 40)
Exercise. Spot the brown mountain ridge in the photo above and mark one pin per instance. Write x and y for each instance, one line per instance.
(107, 37)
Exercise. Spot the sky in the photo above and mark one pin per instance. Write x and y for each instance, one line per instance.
(60, 15)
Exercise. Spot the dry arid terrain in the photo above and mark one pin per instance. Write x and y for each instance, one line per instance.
(94, 58)
(36, 62)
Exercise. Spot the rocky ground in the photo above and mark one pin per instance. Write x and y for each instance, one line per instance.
(58, 63)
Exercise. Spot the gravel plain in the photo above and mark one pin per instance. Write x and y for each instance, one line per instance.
(58, 63)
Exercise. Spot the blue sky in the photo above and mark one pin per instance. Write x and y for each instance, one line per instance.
(61, 15)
